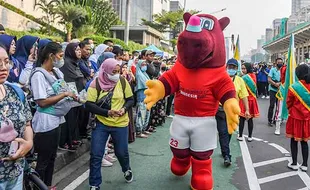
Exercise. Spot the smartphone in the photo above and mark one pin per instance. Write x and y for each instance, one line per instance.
(13, 148)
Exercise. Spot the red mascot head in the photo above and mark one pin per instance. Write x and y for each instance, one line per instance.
(201, 44)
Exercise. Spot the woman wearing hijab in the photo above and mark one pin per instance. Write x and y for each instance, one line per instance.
(110, 105)
(98, 51)
(250, 81)
(127, 74)
(26, 54)
(103, 57)
(10, 44)
(25, 46)
(143, 115)
(72, 75)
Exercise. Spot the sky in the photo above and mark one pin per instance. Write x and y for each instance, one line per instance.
(248, 18)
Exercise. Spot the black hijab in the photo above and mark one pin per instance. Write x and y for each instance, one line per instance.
(303, 72)
(71, 69)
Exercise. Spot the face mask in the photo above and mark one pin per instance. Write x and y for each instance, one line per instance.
(92, 46)
(279, 65)
(7, 131)
(164, 68)
(143, 68)
(59, 63)
(231, 72)
(114, 78)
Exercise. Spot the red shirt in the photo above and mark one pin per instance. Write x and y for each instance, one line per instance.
(282, 72)
(295, 108)
(198, 91)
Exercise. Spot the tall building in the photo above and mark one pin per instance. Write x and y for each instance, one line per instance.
(140, 9)
(175, 5)
(268, 35)
(299, 4)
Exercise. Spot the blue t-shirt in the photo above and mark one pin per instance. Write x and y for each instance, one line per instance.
(262, 76)
(274, 74)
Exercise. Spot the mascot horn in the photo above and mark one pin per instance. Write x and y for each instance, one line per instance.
(200, 82)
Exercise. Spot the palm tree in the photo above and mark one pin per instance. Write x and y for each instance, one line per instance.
(68, 12)
(48, 8)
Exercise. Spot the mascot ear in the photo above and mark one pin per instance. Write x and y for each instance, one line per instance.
(224, 22)
(186, 17)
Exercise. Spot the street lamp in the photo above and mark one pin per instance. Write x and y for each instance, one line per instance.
(126, 32)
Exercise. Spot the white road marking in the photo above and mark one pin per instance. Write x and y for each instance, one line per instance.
(280, 148)
(276, 177)
(249, 169)
(253, 181)
(305, 188)
(305, 178)
(267, 162)
(78, 181)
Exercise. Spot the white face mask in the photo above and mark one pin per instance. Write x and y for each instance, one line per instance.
(114, 78)
(59, 63)
(92, 46)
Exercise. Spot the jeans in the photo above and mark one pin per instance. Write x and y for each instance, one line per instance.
(224, 136)
(15, 184)
(46, 145)
(99, 138)
(142, 118)
(273, 102)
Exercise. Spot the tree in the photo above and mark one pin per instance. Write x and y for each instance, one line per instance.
(68, 12)
(171, 22)
(100, 14)
(48, 8)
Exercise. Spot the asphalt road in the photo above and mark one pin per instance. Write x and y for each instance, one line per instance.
(260, 164)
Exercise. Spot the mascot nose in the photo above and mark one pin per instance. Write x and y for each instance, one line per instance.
(194, 24)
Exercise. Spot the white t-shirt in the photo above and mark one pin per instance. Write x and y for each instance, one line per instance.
(41, 89)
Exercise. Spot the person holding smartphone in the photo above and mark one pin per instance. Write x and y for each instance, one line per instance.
(16, 136)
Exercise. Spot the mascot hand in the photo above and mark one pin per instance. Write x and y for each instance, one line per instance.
(232, 110)
(154, 93)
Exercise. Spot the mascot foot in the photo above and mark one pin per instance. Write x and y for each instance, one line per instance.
(202, 174)
(180, 167)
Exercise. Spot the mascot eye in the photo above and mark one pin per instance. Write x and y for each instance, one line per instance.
(197, 45)
(206, 23)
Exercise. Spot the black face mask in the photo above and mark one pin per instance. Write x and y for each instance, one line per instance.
(279, 65)
(164, 68)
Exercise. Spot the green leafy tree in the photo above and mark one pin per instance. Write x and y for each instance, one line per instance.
(100, 14)
(48, 8)
(69, 12)
(171, 22)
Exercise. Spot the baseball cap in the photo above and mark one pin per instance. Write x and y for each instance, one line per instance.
(232, 62)
(149, 52)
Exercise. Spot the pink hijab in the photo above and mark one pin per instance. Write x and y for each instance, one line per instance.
(106, 68)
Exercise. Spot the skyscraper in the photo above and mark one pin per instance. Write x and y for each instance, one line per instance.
(299, 4)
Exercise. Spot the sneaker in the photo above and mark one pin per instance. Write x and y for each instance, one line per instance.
(106, 163)
(227, 161)
(267, 97)
(68, 148)
(240, 138)
(128, 176)
(94, 188)
(170, 116)
(303, 168)
(77, 143)
(278, 129)
(292, 167)
(270, 124)
(110, 158)
(263, 97)
(250, 139)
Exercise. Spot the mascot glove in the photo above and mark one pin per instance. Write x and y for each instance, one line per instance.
(232, 110)
(154, 93)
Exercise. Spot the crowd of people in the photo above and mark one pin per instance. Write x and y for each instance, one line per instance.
(266, 80)
(74, 91)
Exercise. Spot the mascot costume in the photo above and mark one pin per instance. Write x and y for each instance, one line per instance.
(200, 81)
